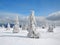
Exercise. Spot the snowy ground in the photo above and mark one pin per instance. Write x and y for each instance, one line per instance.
(7, 37)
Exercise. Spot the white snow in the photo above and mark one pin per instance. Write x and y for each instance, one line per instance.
(7, 37)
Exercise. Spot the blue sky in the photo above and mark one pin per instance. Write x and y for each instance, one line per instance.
(41, 7)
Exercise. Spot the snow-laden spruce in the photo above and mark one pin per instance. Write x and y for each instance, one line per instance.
(32, 28)
(50, 28)
(8, 27)
(16, 26)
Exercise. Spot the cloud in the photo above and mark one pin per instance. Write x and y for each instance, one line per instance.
(6, 17)
(54, 16)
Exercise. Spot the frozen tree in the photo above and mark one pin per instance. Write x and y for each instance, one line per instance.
(50, 28)
(16, 26)
(8, 26)
(32, 29)
(3, 26)
(24, 27)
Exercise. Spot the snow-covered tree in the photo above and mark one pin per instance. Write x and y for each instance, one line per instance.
(50, 28)
(16, 26)
(8, 26)
(32, 28)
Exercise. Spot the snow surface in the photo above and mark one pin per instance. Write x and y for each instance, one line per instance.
(7, 37)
